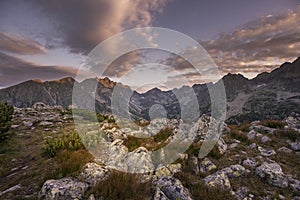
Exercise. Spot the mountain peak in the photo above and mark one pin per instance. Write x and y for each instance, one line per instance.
(106, 82)
(65, 80)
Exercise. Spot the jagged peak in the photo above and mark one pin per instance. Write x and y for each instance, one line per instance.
(66, 79)
(235, 76)
(106, 82)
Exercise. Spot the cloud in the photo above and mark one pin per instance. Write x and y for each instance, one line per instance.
(14, 70)
(259, 45)
(83, 24)
(17, 44)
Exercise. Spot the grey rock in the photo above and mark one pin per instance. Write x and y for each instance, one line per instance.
(173, 188)
(295, 184)
(251, 134)
(222, 146)
(252, 146)
(285, 150)
(241, 193)
(139, 161)
(207, 166)
(219, 179)
(265, 139)
(11, 189)
(250, 162)
(159, 195)
(234, 171)
(233, 145)
(295, 146)
(66, 188)
(94, 173)
(263, 129)
(265, 152)
(272, 172)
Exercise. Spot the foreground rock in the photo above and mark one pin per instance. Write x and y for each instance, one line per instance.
(94, 173)
(221, 177)
(66, 188)
(272, 172)
(170, 188)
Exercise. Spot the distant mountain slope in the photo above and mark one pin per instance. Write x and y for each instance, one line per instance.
(269, 95)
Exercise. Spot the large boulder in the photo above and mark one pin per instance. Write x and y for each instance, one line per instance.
(139, 161)
(219, 179)
(172, 188)
(273, 174)
(234, 171)
(94, 173)
(66, 188)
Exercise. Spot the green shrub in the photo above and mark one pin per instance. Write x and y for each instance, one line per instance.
(6, 112)
(70, 141)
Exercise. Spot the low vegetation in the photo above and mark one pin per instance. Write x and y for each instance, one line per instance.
(152, 143)
(289, 134)
(6, 112)
(68, 141)
(199, 190)
(125, 186)
(273, 124)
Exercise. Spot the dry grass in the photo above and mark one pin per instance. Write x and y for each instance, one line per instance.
(152, 143)
(199, 190)
(122, 185)
(273, 124)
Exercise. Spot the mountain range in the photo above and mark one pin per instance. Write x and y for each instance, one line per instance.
(272, 95)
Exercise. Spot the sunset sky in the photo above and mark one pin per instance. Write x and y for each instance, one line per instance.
(48, 39)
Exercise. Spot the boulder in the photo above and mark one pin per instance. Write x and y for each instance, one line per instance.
(250, 162)
(295, 146)
(251, 134)
(294, 184)
(207, 166)
(94, 173)
(66, 188)
(272, 172)
(285, 150)
(139, 161)
(218, 180)
(172, 188)
(234, 171)
(265, 152)
(159, 195)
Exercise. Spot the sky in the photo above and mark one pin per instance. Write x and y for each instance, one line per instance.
(43, 39)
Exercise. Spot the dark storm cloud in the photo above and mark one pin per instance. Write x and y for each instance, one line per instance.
(17, 44)
(83, 24)
(14, 70)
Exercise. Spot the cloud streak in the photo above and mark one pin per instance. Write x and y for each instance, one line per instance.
(14, 70)
(17, 44)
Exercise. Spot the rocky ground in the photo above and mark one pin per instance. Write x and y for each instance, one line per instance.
(258, 160)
